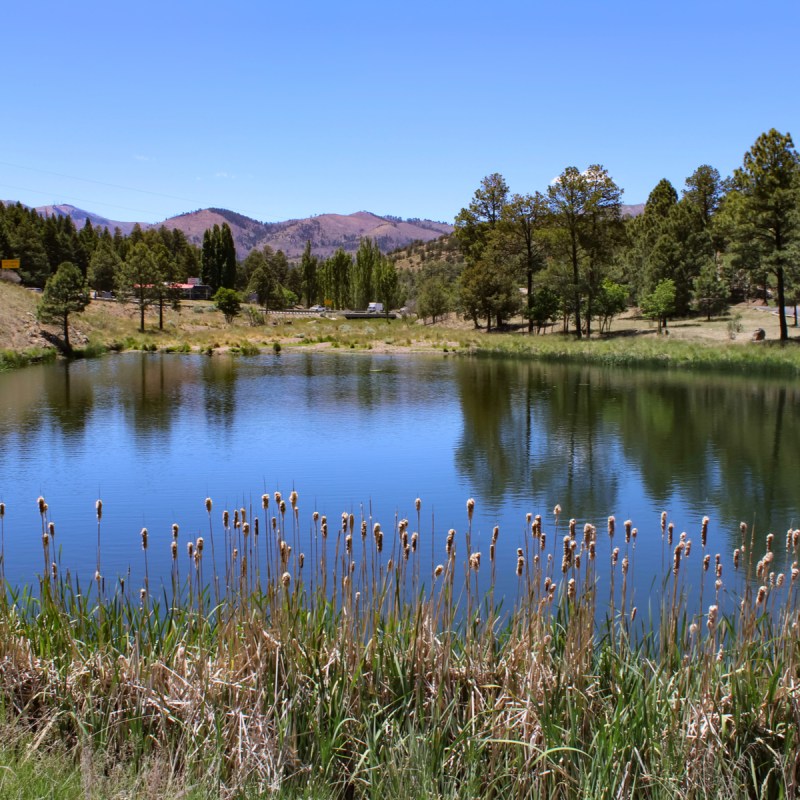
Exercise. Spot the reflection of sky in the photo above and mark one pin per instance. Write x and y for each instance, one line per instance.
(154, 435)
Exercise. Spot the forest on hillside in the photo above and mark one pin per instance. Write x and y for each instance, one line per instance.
(563, 255)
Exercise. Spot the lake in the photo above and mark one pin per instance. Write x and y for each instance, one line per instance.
(153, 435)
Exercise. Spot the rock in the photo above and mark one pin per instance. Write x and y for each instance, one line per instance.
(759, 334)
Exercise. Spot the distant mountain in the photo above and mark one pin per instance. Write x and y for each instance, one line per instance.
(327, 232)
(633, 211)
(79, 217)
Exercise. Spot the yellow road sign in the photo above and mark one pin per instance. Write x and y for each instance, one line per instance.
(10, 263)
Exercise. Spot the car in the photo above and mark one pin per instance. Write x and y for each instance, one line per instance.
(317, 308)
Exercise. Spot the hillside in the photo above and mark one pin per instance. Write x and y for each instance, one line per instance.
(326, 232)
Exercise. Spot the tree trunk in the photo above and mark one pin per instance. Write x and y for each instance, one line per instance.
(67, 345)
(782, 304)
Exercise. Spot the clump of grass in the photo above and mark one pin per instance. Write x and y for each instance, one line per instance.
(359, 658)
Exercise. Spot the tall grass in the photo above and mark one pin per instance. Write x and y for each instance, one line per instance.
(337, 657)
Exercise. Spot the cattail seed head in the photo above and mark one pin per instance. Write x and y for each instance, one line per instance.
(348, 543)
(718, 584)
(235, 517)
(491, 552)
(225, 518)
(418, 504)
(736, 558)
(190, 549)
(286, 579)
(143, 594)
(670, 532)
(265, 502)
(633, 613)
(51, 529)
(495, 533)
(315, 516)
(45, 540)
(277, 497)
(274, 521)
(557, 510)
(614, 556)
(712, 617)
(718, 570)
(770, 539)
(42, 505)
(475, 561)
(54, 570)
(200, 544)
(625, 565)
(470, 507)
(414, 539)
(571, 589)
(520, 565)
(572, 524)
(98, 507)
(676, 559)
(707, 561)
(687, 548)
(208, 504)
(762, 595)
(246, 529)
(704, 531)
(438, 571)
(663, 522)
(301, 559)
(174, 548)
(255, 526)
(144, 538)
(174, 530)
(97, 576)
(293, 498)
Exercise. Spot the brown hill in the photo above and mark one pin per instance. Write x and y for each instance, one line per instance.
(326, 232)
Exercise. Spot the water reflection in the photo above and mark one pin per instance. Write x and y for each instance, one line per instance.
(379, 430)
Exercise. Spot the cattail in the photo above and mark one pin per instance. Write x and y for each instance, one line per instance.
(293, 498)
(495, 533)
(707, 561)
(274, 522)
(475, 561)
(470, 508)
(625, 565)
(491, 552)
(520, 565)
(379, 540)
(255, 526)
(174, 548)
(676, 560)
(208, 504)
(265, 502)
(301, 560)
(174, 530)
(451, 534)
(796, 538)
(736, 558)
(571, 589)
(718, 584)
(278, 497)
(687, 547)
(352, 522)
(97, 576)
(704, 531)
(614, 556)
(572, 524)
(286, 579)
(315, 516)
(633, 613)
(693, 629)
(711, 623)
(45, 540)
(2, 510)
(547, 584)
(557, 510)
(719, 570)
(54, 570)
(414, 538)
(795, 574)
(225, 519)
(42, 505)
(190, 549)
(770, 539)
(144, 538)
(592, 550)
(670, 532)
(418, 504)
(612, 522)
(246, 529)
(762, 595)
(663, 522)
(242, 515)
(634, 534)
(439, 568)
(143, 594)
(200, 544)
(348, 543)
(98, 507)
(51, 529)
(235, 517)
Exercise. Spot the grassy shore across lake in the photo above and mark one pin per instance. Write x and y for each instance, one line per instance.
(723, 343)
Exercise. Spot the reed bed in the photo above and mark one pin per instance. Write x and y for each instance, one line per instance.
(297, 654)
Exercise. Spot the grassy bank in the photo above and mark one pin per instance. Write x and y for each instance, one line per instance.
(336, 658)
(198, 327)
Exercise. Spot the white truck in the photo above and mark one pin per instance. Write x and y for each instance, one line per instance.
(375, 308)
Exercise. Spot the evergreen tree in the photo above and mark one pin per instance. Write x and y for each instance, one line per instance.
(139, 277)
(64, 293)
(309, 265)
(103, 266)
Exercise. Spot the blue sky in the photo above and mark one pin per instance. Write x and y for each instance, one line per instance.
(143, 111)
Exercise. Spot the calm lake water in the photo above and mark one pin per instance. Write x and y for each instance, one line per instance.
(153, 435)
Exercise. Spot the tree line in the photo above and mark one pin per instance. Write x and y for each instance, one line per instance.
(567, 254)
